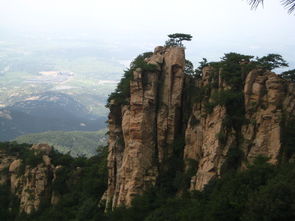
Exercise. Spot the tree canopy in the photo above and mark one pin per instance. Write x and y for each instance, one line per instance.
(289, 75)
(272, 61)
(177, 38)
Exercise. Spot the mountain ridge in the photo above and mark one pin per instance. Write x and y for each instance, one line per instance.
(44, 112)
(215, 121)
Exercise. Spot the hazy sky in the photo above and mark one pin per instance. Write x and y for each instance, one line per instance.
(217, 26)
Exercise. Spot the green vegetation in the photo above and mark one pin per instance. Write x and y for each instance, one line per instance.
(289, 75)
(272, 61)
(75, 142)
(198, 71)
(231, 70)
(23, 152)
(263, 192)
(80, 183)
(288, 137)
(189, 67)
(234, 68)
(122, 92)
(171, 173)
(177, 39)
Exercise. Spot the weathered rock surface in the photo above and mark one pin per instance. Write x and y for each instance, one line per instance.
(142, 133)
(266, 97)
(33, 187)
(268, 100)
(5, 162)
(30, 184)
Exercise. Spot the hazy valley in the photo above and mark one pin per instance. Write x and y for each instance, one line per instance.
(54, 85)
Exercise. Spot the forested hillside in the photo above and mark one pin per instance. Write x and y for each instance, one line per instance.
(262, 192)
(74, 142)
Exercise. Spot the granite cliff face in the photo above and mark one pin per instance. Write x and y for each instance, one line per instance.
(30, 184)
(142, 133)
(225, 124)
(268, 105)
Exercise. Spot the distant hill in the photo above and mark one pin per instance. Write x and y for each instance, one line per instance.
(49, 111)
(75, 142)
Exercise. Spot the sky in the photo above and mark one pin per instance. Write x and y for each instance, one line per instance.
(136, 26)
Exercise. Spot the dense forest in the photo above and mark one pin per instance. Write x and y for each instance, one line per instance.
(262, 192)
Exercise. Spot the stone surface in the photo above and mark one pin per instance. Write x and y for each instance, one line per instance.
(203, 146)
(31, 185)
(267, 96)
(142, 133)
(44, 148)
(266, 99)
(5, 162)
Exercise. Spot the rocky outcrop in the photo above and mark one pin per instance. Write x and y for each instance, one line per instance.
(33, 187)
(31, 184)
(142, 133)
(217, 136)
(268, 103)
(5, 162)
(203, 146)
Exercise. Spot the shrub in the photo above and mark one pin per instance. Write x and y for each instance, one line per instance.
(289, 75)
(122, 92)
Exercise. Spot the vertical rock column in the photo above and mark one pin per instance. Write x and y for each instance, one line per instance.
(267, 98)
(149, 126)
(115, 153)
(202, 146)
(170, 101)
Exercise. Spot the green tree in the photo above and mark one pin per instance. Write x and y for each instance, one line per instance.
(122, 92)
(189, 67)
(198, 71)
(289, 75)
(177, 38)
(272, 61)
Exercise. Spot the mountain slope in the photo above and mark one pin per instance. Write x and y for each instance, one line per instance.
(46, 112)
(75, 142)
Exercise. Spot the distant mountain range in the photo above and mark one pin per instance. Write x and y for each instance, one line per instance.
(55, 84)
(46, 112)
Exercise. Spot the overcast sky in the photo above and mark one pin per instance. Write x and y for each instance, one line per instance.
(218, 26)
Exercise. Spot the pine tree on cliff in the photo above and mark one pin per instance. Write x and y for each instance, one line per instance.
(177, 38)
